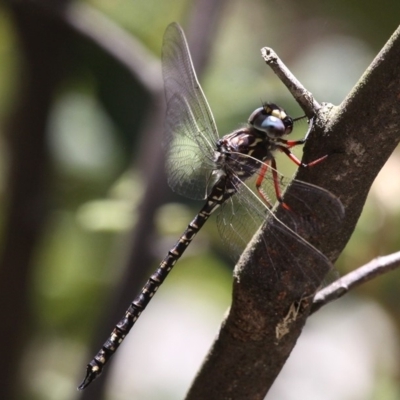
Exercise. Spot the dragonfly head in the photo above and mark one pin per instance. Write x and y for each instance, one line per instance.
(272, 120)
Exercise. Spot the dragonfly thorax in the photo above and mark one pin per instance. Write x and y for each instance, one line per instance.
(241, 151)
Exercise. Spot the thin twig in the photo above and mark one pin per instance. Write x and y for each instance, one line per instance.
(305, 98)
(367, 272)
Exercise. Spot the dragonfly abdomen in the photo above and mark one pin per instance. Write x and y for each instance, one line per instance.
(217, 196)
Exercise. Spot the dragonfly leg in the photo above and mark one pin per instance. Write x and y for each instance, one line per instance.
(277, 187)
(260, 190)
(288, 144)
(295, 159)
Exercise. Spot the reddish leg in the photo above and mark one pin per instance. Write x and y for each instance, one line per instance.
(259, 181)
(288, 144)
(285, 147)
(296, 160)
(292, 143)
(277, 186)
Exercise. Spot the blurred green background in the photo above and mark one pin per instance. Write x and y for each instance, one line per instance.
(104, 189)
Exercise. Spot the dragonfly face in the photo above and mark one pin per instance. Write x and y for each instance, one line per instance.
(272, 120)
(241, 151)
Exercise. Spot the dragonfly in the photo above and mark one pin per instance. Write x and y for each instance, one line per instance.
(235, 174)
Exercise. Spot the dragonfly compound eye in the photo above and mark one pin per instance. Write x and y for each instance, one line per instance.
(271, 125)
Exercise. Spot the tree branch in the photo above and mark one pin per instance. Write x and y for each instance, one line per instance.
(305, 99)
(267, 315)
(367, 272)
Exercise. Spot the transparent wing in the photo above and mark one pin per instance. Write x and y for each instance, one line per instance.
(190, 130)
(313, 211)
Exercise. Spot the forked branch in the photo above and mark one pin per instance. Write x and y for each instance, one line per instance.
(377, 267)
(305, 99)
(248, 354)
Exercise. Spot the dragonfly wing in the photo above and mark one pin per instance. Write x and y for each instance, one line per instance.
(190, 130)
(312, 212)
